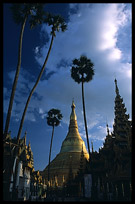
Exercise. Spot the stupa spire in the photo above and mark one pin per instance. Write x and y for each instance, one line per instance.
(73, 114)
(73, 121)
(73, 141)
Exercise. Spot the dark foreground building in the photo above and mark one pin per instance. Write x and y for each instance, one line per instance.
(20, 181)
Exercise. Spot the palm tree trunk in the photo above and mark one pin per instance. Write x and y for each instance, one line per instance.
(85, 122)
(50, 154)
(28, 100)
(15, 80)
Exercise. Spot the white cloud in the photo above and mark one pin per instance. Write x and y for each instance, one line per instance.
(115, 54)
(36, 49)
(127, 70)
(41, 111)
(94, 32)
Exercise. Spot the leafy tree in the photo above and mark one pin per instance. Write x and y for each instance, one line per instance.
(21, 13)
(57, 23)
(53, 119)
(82, 71)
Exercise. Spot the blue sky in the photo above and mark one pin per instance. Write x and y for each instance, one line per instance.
(100, 31)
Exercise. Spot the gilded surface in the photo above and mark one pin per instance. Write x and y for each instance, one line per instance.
(70, 154)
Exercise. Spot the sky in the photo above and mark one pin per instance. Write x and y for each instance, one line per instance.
(102, 32)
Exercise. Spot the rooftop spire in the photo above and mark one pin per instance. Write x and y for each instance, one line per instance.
(116, 87)
(121, 124)
(107, 129)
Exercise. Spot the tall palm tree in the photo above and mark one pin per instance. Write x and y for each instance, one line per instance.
(53, 119)
(21, 13)
(57, 23)
(82, 71)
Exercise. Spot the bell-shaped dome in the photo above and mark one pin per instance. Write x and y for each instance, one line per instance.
(69, 156)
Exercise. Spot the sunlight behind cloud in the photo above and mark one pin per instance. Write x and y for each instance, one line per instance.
(115, 54)
(108, 36)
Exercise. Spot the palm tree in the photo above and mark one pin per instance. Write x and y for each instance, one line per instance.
(53, 119)
(57, 23)
(82, 71)
(20, 13)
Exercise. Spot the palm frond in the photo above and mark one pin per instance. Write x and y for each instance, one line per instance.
(54, 116)
(82, 69)
(57, 23)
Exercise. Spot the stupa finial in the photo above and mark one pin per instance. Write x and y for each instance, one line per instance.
(73, 114)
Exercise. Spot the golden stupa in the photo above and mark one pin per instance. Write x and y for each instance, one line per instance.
(69, 157)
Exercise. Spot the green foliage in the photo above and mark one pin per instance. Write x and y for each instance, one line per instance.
(57, 23)
(82, 69)
(37, 15)
(34, 11)
(54, 117)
